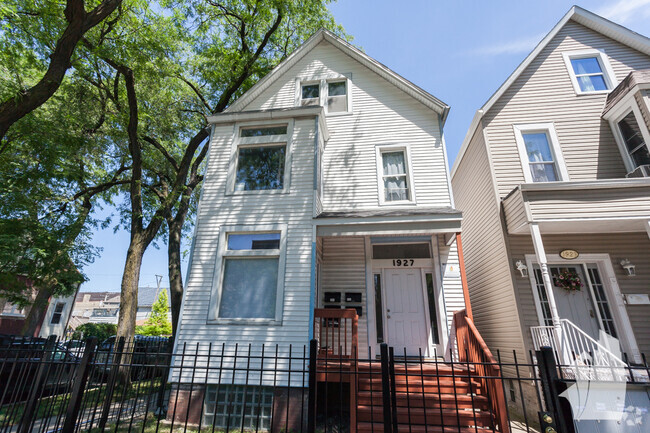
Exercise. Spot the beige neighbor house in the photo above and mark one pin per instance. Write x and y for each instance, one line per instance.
(552, 180)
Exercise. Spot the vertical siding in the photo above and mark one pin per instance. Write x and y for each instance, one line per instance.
(217, 209)
(544, 93)
(382, 114)
(344, 270)
(484, 250)
(633, 246)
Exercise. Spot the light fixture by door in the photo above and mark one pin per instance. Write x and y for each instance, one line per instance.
(523, 269)
(629, 267)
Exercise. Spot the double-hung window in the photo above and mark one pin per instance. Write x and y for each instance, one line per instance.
(590, 71)
(58, 313)
(633, 139)
(261, 159)
(331, 93)
(395, 183)
(250, 274)
(540, 153)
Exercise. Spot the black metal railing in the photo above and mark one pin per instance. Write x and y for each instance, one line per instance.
(143, 385)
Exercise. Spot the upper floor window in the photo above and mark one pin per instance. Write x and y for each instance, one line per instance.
(331, 93)
(58, 313)
(632, 136)
(590, 71)
(540, 153)
(12, 310)
(395, 183)
(261, 158)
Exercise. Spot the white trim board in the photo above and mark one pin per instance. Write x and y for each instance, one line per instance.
(579, 15)
(612, 291)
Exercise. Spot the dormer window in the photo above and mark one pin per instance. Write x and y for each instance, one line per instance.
(590, 71)
(632, 136)
(331, 93)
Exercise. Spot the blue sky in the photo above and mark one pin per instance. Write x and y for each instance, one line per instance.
(460, 51)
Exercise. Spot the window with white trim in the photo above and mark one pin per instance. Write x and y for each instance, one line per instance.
(590, 71)
(250, 274)
(58, 313)
(261, 158)
(331, 93)
(10, 309)
(395, 183)
(633, 140)
(540, 153)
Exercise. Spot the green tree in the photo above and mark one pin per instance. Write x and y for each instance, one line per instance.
(101, 331)
(158, 323)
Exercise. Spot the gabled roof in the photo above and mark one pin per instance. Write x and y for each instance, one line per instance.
(325, 35)
(579, 15)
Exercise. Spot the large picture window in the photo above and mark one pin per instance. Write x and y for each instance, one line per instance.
(250, 274)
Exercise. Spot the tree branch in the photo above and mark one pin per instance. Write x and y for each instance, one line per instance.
(155, 143)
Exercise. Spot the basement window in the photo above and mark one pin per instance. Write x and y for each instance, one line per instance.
(238, 407)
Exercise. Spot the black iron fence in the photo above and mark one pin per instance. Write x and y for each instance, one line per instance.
(144, 386)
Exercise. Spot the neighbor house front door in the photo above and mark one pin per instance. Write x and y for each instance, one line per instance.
(404, 310)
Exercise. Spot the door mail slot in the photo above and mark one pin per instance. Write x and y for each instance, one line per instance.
(332, 296)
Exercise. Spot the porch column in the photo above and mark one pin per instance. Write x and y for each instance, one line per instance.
(546, 277)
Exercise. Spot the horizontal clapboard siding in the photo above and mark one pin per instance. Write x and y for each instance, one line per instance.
(633, 246)
(484, 250)
(514, 210)
(544, 93)
(382, 114)
(619, 202)
(452, 284)
(294, 209)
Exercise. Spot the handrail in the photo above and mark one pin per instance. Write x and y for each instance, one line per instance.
(602, 349)
(473, 350)
(337, 332)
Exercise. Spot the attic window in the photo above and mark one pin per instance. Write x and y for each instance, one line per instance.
(590, 71)
(337, 100)
(310, 94)
(331, 93)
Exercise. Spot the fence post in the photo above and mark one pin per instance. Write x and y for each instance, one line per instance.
(79, 386)
(385, 388)
(37, 386)
(393, 386)
(110, 387)
(311, 409)
(549, 378)
(161, 410)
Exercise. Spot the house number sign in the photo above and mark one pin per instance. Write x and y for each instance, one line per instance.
(569, 254)
(403, 262)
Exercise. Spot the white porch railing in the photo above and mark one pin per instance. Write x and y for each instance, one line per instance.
(580, 355)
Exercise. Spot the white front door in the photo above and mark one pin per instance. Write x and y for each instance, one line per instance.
(404, 311)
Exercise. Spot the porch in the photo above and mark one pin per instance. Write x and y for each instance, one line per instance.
(597, 235)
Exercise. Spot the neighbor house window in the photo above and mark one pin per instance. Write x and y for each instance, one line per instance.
(250, 274)
(540, 153)
(58, 313)
(589, 70)
(12, 310)
(331, 93)
(394, 177)
(633, 139)
(261, 159)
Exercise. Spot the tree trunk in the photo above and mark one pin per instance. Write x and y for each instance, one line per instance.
(36, 314)
(174, 272)
(129, 290)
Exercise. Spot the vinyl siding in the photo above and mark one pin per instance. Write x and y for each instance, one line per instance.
(544, 93)
(515, 211)
(608, 203)
(452, 284)
(633, 246)
(344, 270)
(643, 100)
(484, 249)
(217, 209)
(381, 115)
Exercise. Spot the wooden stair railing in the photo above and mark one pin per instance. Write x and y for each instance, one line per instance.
(472, 349)
(337, 332)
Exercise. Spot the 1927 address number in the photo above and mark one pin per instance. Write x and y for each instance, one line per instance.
(403, 262)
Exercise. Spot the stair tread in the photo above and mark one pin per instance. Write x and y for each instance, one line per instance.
(418, 410)
(429, 395)
(405, 428)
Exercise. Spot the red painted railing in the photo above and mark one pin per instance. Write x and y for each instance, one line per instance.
(472, 349)
(336, 331)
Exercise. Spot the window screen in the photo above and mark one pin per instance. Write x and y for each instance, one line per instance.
(249, 288)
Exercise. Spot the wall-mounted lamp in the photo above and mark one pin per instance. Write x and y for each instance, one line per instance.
(523, 269)
(629, 267)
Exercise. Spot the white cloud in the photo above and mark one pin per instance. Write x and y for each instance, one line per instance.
(624, 10)
(516, 46)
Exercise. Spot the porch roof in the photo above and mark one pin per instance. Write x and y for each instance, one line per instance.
(389, 221)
